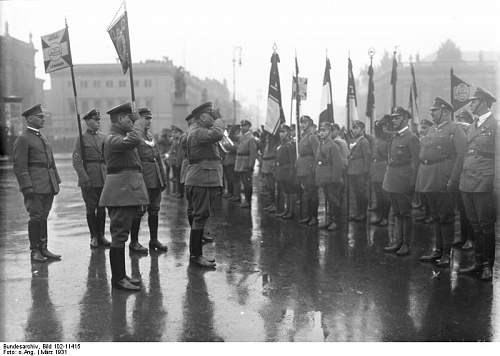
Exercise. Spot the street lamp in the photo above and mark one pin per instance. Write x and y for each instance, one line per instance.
(236, 58)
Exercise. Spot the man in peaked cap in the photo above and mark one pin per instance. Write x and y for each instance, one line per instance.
(246, 154)
(441, 158)
(476, 183)
(91, 174)
(203, 176)
(124, 190)
(156, 180)
(38, 179)
(400, 176)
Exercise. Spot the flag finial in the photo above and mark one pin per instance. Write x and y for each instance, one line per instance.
(275, 47)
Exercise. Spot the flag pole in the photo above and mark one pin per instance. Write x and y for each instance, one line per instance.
(394, 79)
(451, 93)
(78, 120)
(297, 105)
(348, 134)
(291, 102)
(131, 72)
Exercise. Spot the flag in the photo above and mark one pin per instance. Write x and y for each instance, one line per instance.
(118, 31)
(460, 92)
(302, 88)
(414, 96)
(394, 79)
(275, 115)
(370, 100)
(56, 51)
(326, 113)
(352, 103)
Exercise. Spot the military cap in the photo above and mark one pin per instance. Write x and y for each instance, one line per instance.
(325, 125)
(92, 114)
(358, 123)
(125, 108)
(35, 110)
(399, 111)
(175, 128)
(203, 108)
(482, 94)
(245, 123)
(426, 121)
(189, 117)
(335, 126)
(285, 127)
(440, 103)
(464, 116)
(145, 112)
(306, 118)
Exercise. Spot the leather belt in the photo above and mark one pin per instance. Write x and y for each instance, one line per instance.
(399, 164)
(115, 170)
(429, 162)
(323, 163)
(198, 160)
(243, 154)
(149, 161)
(40, 164)
(379, 161)
(268, 158)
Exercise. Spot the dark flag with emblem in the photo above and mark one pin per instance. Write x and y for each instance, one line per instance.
(326, 113)
(351, 100)
(394, 79)
(118, 31)
(460, 92)
(413, 104)
(56, 51)
(275, 115)
(370, 100)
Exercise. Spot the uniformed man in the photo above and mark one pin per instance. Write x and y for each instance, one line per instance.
(155, 179)
(400, 177)
(426, 217)
(286, 156)
(377, 172)
(91, 176)
(268, 170)
(124, 190)
(358, 169)
(246, 155)
(38, 179)
(476, 182)
(175, 157)
(344, 149)
(229, 161)
(308, 144)
(441, 158)
(329, 173)
(203, 176)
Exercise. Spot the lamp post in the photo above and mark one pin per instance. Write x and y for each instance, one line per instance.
(236, 58)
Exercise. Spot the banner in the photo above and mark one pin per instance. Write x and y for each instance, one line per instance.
(119, 35)
(460, 92)
(56, 51)
(352, 103)
(326, 109)
(274, 115)
(413, 104)
(394, 79)
(370, 100)
(302, 88)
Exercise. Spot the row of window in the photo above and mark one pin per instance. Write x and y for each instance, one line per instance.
(122, 83)
(84, 105)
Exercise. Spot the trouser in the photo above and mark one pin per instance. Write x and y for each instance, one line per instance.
(200, 201)
(382, 203)
(309, 200)
(229, 175)
(332, 193)
(466, 232)
(442, 210)
(38, 207)
(358, 185)
(176, 170)
(121, 218)
(401, 207)
(481, 212)
(246, 179)
(269, 188)
(153, 208)
(96, 215)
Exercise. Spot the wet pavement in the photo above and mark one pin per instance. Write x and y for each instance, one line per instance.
(275, 281)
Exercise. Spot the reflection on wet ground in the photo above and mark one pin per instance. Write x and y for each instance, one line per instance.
(275, 281)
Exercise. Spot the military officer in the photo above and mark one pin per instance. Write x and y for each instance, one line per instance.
(268, 170)
(175, 157)
(441, 158)
(38, 179)
(155, 179)
(476, 182)
(358, 169)
(203, 176)
(400, 176)
(124, 190)
(329, 173)
(377, 172)
(246, 155)
(286, 156)
(91, 175)
(308, 144)
(229, 161)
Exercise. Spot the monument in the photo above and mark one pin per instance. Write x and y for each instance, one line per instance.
(180, 105)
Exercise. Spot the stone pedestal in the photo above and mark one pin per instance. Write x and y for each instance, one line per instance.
(180, 111)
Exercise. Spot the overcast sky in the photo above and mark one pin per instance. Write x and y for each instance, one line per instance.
(200, 35)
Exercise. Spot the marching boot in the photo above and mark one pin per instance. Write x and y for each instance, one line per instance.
(43, 242)
(486, 272)
(119, 278)
(437, 251)
(476, 266)
(154, 244)
(34, 236)
(396, 245)
(101, 226)
(306, 211)
(134, 245)
(406, 230)
(291, 203)
(190, 220)
(313, 212)
(468, 245)
(285, 207)
(91, 222)
(447, 231)
(196, 250)
(206, 238)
